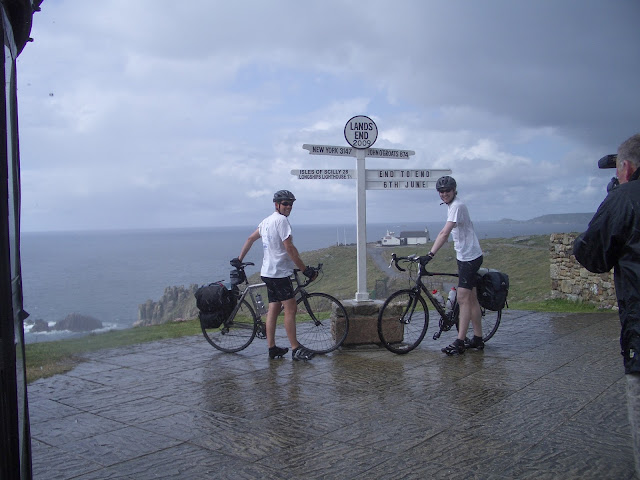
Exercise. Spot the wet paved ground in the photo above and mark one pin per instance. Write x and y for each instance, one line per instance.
(544, 400)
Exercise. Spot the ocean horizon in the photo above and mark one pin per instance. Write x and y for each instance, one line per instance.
(108, 274)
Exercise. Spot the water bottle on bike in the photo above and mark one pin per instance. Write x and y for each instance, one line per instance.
(451, 299)
(262, 310)
(438, 296)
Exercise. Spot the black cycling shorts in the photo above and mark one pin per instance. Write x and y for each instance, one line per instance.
(467, 273)
(278, 289)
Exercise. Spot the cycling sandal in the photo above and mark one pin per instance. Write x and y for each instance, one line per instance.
(475, 342)
(302, 353)
(277, 352)
(456, 348)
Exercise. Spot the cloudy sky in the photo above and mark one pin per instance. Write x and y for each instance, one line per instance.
(156, 113)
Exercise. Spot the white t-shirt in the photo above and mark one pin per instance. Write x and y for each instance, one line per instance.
(465, 240)
(276, 262)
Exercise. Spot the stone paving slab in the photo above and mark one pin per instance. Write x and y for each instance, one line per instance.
(544, 400)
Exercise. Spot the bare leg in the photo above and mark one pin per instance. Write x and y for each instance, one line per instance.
(469, 312)
(272, 319)
(290, 308)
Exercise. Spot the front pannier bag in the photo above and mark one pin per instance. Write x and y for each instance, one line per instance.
(493, 288)
(215, 303)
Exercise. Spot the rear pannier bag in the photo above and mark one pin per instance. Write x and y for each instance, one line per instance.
(493, 288)
(215, 303)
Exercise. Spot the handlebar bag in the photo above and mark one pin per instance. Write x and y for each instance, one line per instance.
(237, 276)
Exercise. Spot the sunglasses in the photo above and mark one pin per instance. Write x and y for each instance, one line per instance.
(287, 204)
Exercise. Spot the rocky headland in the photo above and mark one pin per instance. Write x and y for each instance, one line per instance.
(177, 304)
(74, 322)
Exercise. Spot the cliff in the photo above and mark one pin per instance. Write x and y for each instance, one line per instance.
(176, 304)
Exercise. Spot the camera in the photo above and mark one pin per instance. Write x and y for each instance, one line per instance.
(609, 161)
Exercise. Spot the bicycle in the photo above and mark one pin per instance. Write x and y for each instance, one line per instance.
(404, 317)
(322, 323)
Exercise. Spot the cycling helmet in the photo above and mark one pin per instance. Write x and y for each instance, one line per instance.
(445, 183)
(283, 195)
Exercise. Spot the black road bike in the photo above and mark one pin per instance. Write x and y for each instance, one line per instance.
(404, 317)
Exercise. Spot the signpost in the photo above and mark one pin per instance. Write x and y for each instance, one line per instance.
(330, 150)
(336, 151)
(403, 179)
(318, 174)
(361, 133)
(384, 153)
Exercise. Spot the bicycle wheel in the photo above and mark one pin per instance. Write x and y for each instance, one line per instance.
(490, 323)
(322, 323)
(235, 333)
(403, 321)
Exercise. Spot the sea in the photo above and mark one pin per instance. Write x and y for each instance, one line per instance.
(108, 274)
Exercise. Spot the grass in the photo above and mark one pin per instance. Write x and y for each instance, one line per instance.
(45, 359)
(524, 259)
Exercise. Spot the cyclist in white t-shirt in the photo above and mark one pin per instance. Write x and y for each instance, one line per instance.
(469, 256)
(279, 259)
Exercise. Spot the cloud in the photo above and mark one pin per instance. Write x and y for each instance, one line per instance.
(147, 114)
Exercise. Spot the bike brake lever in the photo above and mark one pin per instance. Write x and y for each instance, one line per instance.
(394, 259)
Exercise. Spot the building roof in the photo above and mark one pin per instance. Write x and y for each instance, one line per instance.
(414, 233)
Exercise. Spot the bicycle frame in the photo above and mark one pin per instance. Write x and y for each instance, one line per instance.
(446, 319)
(299, 292)
(248, 290)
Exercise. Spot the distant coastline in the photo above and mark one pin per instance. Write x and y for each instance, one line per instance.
(555, 218)
(130, 267)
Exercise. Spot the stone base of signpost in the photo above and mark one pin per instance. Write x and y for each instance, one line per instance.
(363, 322)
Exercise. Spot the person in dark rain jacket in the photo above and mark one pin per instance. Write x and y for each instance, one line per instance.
(612, 240)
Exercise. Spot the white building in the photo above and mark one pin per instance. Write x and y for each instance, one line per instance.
(390, 240)
(415, 237)
(405, 238)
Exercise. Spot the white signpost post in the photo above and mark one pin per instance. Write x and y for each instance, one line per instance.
(361, 133)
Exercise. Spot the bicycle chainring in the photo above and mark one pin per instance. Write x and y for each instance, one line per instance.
(445, 325)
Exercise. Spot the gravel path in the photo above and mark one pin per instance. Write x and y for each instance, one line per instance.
(375, 253)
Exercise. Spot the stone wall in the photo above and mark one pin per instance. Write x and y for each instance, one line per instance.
(571, 281)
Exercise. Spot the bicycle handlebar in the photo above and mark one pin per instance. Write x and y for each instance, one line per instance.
(395, 259)
(317, 269)
(415, 259)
